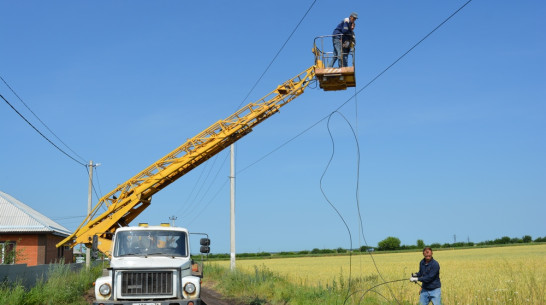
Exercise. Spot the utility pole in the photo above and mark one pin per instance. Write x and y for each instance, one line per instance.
(89, 199)
(173, 218)
(232, 209)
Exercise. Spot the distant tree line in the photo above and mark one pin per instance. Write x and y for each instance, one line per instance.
(393, 243)
(315, 251)
(388, 244)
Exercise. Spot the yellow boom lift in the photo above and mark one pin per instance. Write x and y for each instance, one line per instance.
(128, 200)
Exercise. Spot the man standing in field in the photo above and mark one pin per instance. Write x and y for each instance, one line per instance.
(429, 275)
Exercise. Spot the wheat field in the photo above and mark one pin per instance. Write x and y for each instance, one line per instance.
(498, 275)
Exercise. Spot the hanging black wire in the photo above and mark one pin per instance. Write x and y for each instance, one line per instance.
(47, 127)
(36, 129)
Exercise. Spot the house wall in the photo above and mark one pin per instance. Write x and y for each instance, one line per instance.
(27, 246)
(54, 254)
(37, 249)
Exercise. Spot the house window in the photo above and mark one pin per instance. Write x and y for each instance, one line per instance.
(7, 252)
(60, 252)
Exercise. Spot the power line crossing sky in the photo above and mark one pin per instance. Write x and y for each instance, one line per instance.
(451, 138)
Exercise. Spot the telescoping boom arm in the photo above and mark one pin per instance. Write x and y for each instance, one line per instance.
(129, 199)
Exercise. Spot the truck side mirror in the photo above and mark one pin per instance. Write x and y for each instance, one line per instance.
(95, 247)
(205, 249)
(204, 242)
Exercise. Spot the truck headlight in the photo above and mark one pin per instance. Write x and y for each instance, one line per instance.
(105, 289)
(189, 288)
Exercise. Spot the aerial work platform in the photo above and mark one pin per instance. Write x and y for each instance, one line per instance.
(333, 78)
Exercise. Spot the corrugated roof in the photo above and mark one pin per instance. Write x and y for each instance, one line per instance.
(16, 216)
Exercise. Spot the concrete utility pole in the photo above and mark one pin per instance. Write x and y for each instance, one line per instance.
(232, 208)
(89, 207)
(89, 199)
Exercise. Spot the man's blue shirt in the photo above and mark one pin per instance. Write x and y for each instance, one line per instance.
(429, 274)
(344, 28)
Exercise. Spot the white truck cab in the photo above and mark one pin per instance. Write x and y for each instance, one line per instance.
(151, 265)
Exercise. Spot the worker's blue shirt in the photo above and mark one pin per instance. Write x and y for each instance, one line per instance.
(429, 274)
(344, 28)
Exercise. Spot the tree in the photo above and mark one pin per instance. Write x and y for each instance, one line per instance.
(516, 240)
(503, 240)
(527, 239)
(366, 248)
(420, 244)
(540, 239)
(389, 243)
(435, 245)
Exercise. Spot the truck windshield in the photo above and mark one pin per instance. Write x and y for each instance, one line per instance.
(150, 242)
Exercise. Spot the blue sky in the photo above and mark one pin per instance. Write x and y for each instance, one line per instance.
(452, 138)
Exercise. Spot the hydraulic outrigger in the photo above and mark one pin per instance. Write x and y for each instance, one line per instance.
(128, 200)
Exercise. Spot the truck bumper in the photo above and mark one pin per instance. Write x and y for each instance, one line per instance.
(164, 302)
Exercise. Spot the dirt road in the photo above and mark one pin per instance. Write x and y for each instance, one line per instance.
(208, 296)
(212, 297)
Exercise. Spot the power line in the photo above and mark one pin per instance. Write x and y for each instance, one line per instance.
(269, 65)
(68, 217)
(191, 198)
(358, 174)
(331, 204)
(375, 286)
(96, 172)
(357, 198)
(47, 127)
(200, 195)
(406, 53)
(93, 183)
(62, 151)
(208, 189)
(208, 203)
(358, 92)
(278, 52)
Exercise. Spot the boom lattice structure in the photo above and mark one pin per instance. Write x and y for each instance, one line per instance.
(129, 199)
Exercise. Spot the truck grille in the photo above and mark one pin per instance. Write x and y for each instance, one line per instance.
(146, 283)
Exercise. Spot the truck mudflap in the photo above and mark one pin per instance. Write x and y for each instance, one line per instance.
(163, 302)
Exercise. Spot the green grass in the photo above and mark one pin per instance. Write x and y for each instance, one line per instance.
(63, 287)
(490, 275)
(264, 286)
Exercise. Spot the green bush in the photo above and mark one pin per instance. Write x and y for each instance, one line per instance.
(389, 243)
(63, 286)
(263, 286)
(366, 248)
